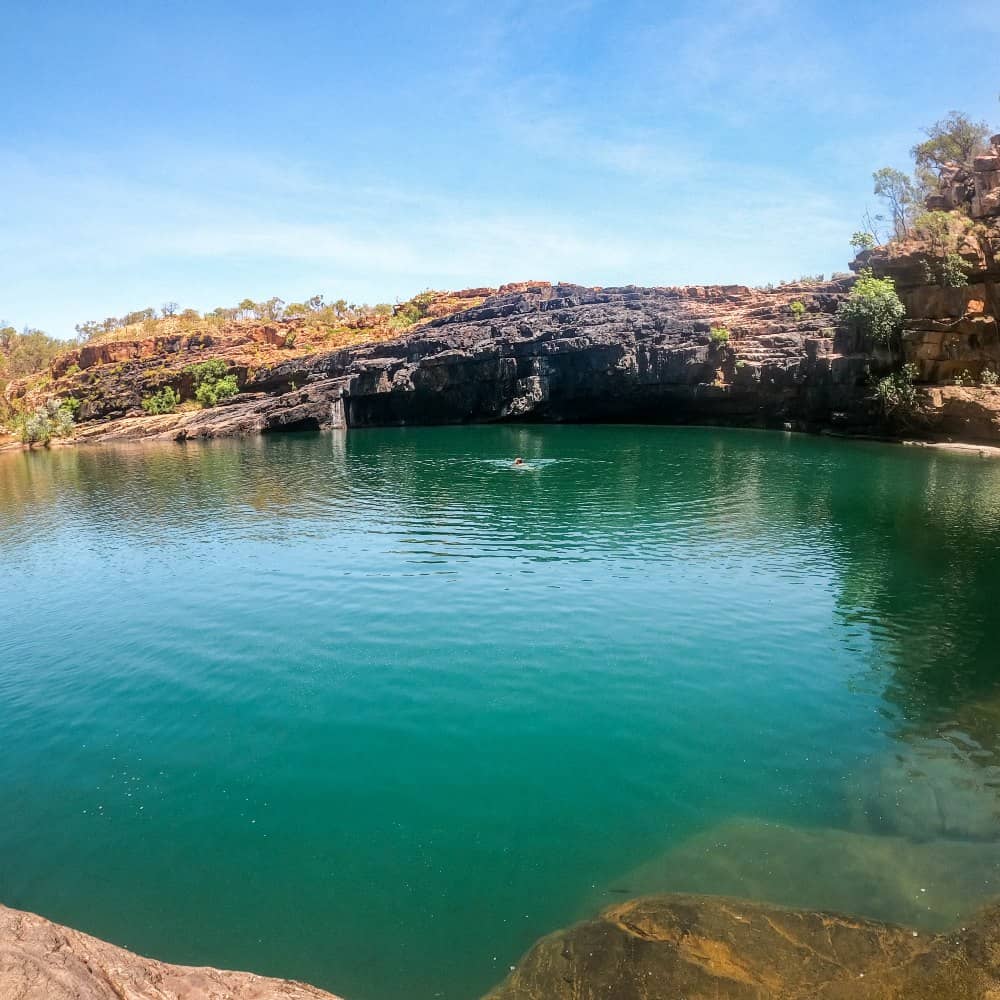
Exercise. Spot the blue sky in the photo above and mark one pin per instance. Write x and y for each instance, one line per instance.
(207, 151)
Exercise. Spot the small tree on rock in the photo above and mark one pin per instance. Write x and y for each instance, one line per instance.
(898, 191)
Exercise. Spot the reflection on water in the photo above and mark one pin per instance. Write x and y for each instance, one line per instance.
(378, 710)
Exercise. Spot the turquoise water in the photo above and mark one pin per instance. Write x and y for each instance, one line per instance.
(377, 711)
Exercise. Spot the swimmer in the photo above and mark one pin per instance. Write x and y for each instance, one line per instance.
(519, 460)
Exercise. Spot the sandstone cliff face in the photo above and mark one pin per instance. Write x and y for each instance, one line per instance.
(40, 960)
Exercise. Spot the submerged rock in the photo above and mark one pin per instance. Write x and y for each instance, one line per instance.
(40, 960)
(931, 885)
(713, 948)
(931, 789)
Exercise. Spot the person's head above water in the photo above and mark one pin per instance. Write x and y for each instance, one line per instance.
(519, 460)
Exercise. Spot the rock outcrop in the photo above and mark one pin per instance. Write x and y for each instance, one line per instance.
(40, 960)
(975, 191)
(713, 948)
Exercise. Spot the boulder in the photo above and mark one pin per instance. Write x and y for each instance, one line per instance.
(714, 948)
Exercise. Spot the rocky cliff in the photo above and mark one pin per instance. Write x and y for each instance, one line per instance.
(567, 353)
(40, 960)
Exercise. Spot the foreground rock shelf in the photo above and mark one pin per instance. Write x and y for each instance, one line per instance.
(40, 960)
(713, 948)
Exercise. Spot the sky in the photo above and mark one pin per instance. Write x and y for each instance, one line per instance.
(205, 152)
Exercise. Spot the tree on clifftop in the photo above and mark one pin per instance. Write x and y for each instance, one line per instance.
(955, 139)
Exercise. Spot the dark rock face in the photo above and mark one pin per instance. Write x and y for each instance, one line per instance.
(713, 948)
(569, 353)
(566, 353)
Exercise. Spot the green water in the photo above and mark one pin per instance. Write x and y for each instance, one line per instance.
(377, 711)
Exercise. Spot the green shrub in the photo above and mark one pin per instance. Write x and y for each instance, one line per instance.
(873, 307)
(204, 370)
(72, 404)
(416, 309)
(49, 421)
(954, 271)
(797, 309)
(209, 393)
(964, 378)
(719, 335)
(896, 394)
(290, 339)
(212, 383)
(164, 401)
(989, 377)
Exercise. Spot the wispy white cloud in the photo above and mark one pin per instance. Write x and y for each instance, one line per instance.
(630, 133)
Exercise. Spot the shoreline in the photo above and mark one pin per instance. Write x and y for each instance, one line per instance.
(105, 434)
